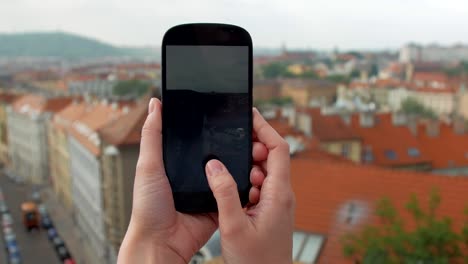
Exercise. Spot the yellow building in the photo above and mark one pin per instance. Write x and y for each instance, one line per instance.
(306, 92)
(59, 161)
(5, 101)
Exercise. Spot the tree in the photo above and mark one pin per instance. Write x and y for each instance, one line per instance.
(133, 88)
(275, 70)
(374, 70)
(433, 239)
(412, 107)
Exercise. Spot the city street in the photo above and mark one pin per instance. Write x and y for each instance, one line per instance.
(34, 247)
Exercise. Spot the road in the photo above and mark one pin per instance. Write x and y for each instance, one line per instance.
(34, 247)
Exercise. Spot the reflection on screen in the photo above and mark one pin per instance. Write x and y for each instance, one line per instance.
(207, 106)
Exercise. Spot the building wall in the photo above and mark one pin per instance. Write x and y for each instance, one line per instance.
(87, 196)
(265, 90)
(118, 175)
(4, 158)
(59, 164)
(463, 105)
(299, 96)
(304, 92)
(441, 103)
(351, 148)
(28, 146)
(396, 98)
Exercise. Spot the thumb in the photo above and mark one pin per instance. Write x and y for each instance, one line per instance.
(224, 188)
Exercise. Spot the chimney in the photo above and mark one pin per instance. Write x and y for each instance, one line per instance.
(459, 125)
(366, 119)
(304, 123)
(398, 118)
(432, 128)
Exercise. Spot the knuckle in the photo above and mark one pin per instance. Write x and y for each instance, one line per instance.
(146, 167)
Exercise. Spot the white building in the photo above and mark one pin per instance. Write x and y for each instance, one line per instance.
(433, 53)
(86, 176)
(27, 130)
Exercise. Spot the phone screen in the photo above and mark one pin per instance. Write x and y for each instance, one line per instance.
(207, 115)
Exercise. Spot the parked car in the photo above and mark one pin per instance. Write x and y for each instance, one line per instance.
(3, 208)
(36, 196)
(14, 258)
(42, 210)
(63, 253)
(51, 233)
(9, 237)
(11, 246)
(58, 242)
(46, 223)
(69, 261)
(8, 230)
(7, 220)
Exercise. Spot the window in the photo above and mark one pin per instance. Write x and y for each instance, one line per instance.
(390, 154)
(413, 152)
(367, 156)
(306, 247)
(345, 150)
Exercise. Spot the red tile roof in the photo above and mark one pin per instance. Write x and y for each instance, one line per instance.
(126, 130)
(85, 128)
(384, 137)
(430, 77)
(324, 188)
(446, 150)
(38, 104)
(329, 127)
(64, 118)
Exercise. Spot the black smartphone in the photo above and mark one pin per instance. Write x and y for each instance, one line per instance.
(207, 110)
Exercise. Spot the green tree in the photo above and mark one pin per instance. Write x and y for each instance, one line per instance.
(338, 78)
(275, 70)
(412, 107)
(433, 240)
(134, 88)
(374, 70)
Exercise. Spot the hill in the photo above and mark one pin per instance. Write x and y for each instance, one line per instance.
(60, 44)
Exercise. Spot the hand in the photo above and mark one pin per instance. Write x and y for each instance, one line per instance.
(157, 233)
(261, 233)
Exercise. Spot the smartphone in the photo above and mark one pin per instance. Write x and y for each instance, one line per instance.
(207, 110)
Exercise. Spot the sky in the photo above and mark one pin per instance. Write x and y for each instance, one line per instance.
(315, 24)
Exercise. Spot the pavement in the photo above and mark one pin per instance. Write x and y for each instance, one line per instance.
(34, 246)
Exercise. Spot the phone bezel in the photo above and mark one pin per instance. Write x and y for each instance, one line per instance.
(207, 35)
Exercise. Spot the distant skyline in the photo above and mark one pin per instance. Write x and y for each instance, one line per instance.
(318, 24)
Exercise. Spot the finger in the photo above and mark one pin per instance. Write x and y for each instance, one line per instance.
(150, 162)
(224, 188)
(257, 176)
(277, 164)
(259, 152)
(254, 195)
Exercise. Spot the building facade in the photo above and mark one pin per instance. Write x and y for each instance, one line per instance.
(86, 175)
(5, 101)
(59, 157)
(120, 150)
(27, 130)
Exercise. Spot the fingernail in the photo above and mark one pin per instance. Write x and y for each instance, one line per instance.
(214, 167)
(151, 106)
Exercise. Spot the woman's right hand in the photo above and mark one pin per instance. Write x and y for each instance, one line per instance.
(263, 232)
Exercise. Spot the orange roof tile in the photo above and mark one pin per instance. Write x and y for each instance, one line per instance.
(389, 144)
(430, 77)
(446, 150)
(85, 128)
(329, 127)
(38, 104)
(126, 130)
(325, 188)
(64, 118)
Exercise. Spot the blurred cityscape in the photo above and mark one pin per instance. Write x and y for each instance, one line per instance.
(378, 141)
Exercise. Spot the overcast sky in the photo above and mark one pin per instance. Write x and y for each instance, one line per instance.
(318, 24)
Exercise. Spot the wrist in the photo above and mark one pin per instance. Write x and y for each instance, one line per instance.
(142, 247)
